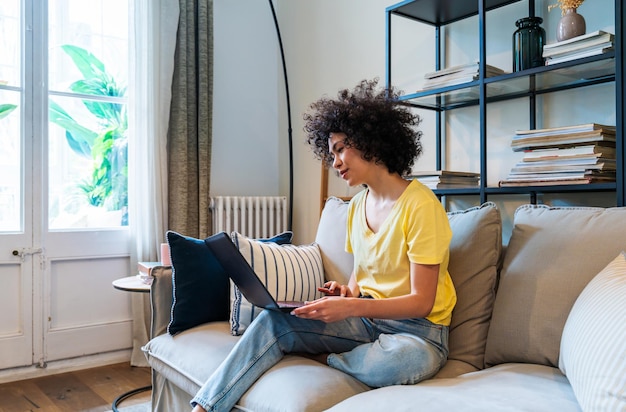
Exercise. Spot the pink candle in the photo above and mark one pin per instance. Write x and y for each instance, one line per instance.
(165, 255)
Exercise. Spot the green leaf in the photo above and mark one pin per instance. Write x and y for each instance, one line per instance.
(6, 109)
(79, 138)
(79, 147)
(88, 64)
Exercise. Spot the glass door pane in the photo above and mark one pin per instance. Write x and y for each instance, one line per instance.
(10, 162)
(87, 101)
(11, 219)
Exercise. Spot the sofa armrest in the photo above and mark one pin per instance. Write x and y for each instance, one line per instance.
(161, 298)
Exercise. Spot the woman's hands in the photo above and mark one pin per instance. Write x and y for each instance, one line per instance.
(335, 289)
(327, 309)
(331, 308)
(342, 301)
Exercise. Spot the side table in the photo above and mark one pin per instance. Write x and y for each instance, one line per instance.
(132, 284)
(138, 284)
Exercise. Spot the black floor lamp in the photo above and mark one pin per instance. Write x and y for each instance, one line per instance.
(289, 129)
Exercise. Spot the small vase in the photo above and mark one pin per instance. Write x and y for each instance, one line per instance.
(571, 25)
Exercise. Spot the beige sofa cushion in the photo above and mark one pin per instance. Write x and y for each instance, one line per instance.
(294, 384)
(552, 254)
(509, 387)
(474, 254)
(331, 239)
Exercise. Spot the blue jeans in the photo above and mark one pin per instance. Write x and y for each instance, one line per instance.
(397, 352)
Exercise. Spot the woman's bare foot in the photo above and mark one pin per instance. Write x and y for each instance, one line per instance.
(198, 408)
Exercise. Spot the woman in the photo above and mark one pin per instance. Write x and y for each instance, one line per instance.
(389, 324)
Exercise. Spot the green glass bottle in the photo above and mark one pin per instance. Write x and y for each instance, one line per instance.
(528, 42)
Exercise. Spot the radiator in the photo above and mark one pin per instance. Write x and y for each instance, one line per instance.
(252, 216)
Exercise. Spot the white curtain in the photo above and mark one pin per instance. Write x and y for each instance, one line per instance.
(154, 25)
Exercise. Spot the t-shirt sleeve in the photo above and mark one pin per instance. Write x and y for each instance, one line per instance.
(428, 233)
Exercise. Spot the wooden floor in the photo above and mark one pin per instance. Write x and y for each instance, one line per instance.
(92, 390)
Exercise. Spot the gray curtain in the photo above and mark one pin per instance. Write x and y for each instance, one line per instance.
(189, 134)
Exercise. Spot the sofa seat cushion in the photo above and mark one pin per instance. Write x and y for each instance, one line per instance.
(188, 358)
(506, 387)
(298, 384)
(294, 384)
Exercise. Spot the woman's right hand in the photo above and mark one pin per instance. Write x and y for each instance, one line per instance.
(334, 288)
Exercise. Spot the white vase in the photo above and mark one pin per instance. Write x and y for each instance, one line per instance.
(571, 25)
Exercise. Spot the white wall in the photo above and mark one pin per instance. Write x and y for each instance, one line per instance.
(332, 44)
(245, 95)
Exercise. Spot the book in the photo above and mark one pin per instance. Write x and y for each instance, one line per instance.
(599, 150)
(567, 160)
(562, 136)
(440, 179)
(586, 127)
(459, 179)
(555, 182)
(441, 185)
(469, 68)
(145, 267)
(580, 41)
(578, 55)
(443, 173)
(534, 169)
(560, 175)
(560, 53)
(449, 81)
(562, 141)
(445, 176)
(458, 75)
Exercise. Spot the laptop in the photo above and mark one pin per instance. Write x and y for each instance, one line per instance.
(244, 276)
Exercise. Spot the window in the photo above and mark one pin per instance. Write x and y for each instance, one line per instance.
(10, 115)
(85, 137)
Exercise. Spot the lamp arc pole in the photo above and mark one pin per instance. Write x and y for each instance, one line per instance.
(289, 128)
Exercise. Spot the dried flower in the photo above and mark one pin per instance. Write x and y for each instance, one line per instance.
(566, 4)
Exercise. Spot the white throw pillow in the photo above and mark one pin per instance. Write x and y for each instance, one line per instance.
(289, 273)
(593, 344)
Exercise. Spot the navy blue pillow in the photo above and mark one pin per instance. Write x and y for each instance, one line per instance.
(201, 288)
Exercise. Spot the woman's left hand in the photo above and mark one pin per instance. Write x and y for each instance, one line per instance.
(327, 309)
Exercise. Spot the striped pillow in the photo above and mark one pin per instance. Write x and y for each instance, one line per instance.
(289, 272)
(593, 344)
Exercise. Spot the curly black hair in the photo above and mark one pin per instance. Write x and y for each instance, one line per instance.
(375, 122)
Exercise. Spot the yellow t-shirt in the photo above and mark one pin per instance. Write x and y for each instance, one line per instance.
(417, 230)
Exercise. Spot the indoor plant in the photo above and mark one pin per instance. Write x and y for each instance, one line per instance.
(107, 146)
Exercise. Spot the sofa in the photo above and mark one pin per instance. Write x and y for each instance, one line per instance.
(539, 325)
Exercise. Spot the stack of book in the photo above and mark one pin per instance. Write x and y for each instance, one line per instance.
(145, 269)
(590, 44)
(446, 179)
(457, 75)
(578, 154)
